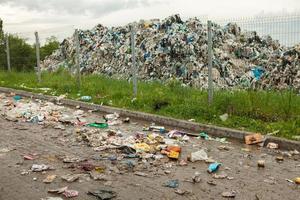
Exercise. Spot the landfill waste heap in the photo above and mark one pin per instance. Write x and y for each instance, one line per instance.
(173, 49)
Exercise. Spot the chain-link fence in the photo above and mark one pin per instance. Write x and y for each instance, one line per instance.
(245, 52)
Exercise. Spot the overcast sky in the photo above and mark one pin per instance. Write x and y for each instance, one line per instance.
(61, 17)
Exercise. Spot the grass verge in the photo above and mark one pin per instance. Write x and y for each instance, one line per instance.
(258, 111)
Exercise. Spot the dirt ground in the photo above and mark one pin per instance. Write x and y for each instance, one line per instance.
(49, 145)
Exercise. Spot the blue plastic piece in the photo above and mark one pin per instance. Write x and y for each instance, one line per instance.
(17, 98)
(213, 167)
(258, 72)
(172, 183)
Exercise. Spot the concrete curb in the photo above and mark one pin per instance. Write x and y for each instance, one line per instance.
(195, 127)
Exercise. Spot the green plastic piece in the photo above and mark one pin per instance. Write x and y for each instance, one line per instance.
(98, 125)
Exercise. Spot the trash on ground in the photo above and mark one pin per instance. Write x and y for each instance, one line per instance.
(98, 125)
(172, 183)
(253, 139)
(213, 167)
(85, 98)
(200, 155)
(272, 145)
(229, 194)
(58, 190)
(196, 178)
(103, 194)
(49, 179)
(52, 198)
(224, 117)
(70, 177)
(180, 191)
(70, 193)
(261, 163)
(17, 98)
(297, 180)
(39, 168)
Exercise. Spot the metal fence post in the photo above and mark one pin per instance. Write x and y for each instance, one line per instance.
(37, 47)
(77, 59)
(210, 55)
(8, 53)
(134, 67)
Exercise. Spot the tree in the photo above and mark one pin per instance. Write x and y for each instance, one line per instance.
(50, 46)
(22, 54)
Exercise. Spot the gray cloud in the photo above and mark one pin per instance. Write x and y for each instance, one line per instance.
(79, 7)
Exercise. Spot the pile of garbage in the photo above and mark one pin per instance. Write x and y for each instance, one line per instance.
(175, 49)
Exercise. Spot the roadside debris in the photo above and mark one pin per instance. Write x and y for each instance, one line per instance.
(198, 156)
(39, 168)
(253, 139)
(103, 194)
(172, 184)
(196, 178)
(272, 145)
(181, 192)
(297, 180)
(70, 193)
(85, 98)
(261, 163)
(52, 198)
(213, 167)
(49, 179)
(224, 117)
(70, 177)
(229, 194)
(58, 190)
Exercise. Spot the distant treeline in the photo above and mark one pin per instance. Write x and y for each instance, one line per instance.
(22, 54)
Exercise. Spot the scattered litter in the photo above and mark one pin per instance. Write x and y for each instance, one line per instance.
(142, 147)
(70, 177)
(297, 180)
(39, 168)
(220, 176)
(126, 120)
(103, 194)
(85, 98)
(224, 117)
(49, 179)
(17, 98)
(99, 176)
(183, 163)
(172, 184)
(6, 150)
(213, 167)
(98, 125)
(270, 180)
(272, 145)
(196, 178)
(230, 194)
(253, 139)
(211, 182)
(70, 193)
(279, 158)
(70, 159)
(58, 190)
(52, 198)
(200, 155)
(261, 163)
(204, 136)
(28, 157)
(141, 174)
(180, 191)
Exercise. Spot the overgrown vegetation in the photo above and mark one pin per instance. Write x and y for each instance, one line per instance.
(259, 111)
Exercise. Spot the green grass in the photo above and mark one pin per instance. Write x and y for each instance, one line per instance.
(258, 111)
